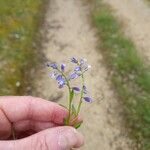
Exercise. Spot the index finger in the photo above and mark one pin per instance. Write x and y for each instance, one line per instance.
(17, 108)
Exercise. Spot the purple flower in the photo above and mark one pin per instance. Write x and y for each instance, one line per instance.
(87, 99)
(85, 89)
(78, 68)
(83, 61)
(63, 67)
(76, 89)
(74, 60)
(53, 75)
(73, 76)
(59, 77)
(52, 65)
(85, 67)
(61, 83)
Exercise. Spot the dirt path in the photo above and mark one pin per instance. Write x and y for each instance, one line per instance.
(135, 14)
(69, 34)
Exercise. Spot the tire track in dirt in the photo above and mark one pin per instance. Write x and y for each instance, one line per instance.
(70, 34)
(135, 15)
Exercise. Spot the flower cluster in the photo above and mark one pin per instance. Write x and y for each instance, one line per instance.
(63, 79)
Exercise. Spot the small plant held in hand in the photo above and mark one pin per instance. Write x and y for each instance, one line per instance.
(63, 79)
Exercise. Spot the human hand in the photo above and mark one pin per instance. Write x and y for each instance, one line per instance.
(37, 124)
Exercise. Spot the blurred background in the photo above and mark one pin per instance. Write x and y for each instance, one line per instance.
(113, 35)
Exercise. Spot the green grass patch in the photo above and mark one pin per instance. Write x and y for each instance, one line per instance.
(19, 25)
(130, 76)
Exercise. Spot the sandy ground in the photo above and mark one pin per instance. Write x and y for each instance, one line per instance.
(135, 14)
(69, 34)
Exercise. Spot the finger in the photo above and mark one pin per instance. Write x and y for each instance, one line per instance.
(5, 126)
(32, 125)
(31, 108)
(59, 138)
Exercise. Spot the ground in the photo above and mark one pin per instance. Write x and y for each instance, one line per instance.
(68, 33)
(134, 14)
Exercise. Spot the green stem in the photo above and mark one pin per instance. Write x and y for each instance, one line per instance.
(70, 99)
(82, 93)
(70, 102)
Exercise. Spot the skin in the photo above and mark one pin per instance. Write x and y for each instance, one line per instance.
(38, 125)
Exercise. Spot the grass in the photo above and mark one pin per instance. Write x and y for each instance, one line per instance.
(147, 2)
(129, 75)
(19, 23)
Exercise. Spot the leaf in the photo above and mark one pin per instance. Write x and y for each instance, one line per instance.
(74, 112)
(63, 106)
(78, 125)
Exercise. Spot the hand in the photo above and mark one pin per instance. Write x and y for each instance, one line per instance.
(37, 124)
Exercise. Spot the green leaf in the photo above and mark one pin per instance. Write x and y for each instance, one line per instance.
(74, 112)
(78, 125)
(63, 106)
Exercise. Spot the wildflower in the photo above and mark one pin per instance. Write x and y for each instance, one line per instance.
(52, 65)
(63, 67)
(53, 75)
(82, 61)
(78, 68)
(64, 79)
(74, 60)
(74, 75)
(61, 83)
(85, 89)
(87, 99)
(76, 89)
(59, 77)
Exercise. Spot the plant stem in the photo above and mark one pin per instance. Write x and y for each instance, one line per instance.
(82, 92)
(70, 102)
(70, 98)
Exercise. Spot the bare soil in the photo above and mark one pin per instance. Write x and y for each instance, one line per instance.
(69, 34)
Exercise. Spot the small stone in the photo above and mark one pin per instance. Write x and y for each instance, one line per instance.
(18, 84)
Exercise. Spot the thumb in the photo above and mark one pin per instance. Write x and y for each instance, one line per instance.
(58, 138)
